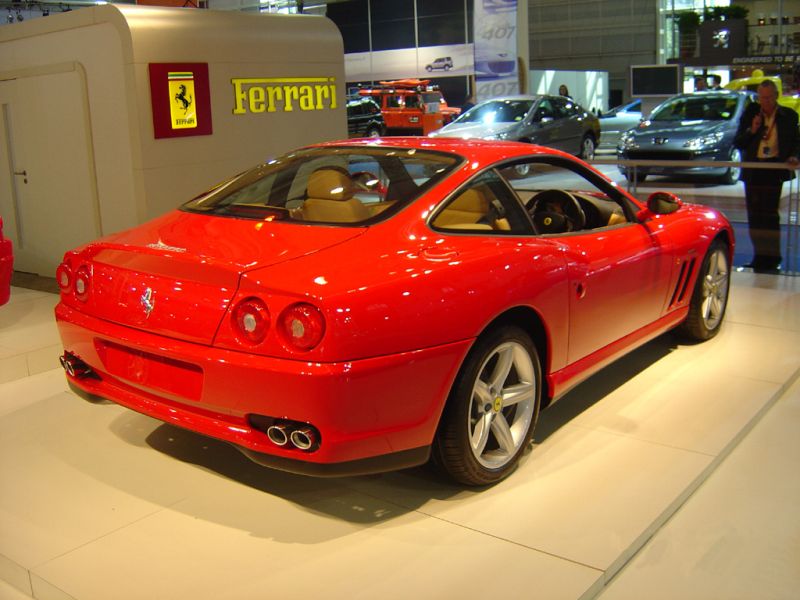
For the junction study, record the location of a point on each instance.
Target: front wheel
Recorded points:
(710, 295)
(731, 176)
(492, 409)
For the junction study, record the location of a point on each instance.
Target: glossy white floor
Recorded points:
(98, 502)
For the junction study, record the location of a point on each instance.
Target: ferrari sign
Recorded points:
(285, 94)
(181, 92)
(181, 99)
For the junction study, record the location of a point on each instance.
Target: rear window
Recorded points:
(334, 185)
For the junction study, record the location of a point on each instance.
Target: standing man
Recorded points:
(767, 133)
(700, 83)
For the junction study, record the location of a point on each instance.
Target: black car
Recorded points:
(695, 126)
(364, 118)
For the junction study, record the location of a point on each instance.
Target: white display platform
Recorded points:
(100, 502)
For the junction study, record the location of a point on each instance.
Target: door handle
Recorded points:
(24, 174)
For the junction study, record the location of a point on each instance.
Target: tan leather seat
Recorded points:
(330, 198)
(465, 212)
(616, 219)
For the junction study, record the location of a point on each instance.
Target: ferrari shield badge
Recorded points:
(181, 91)
(148, 302)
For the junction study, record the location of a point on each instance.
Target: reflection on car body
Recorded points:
(365, 305)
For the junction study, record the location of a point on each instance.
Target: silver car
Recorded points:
(687, 127)
(553, 121)
(619, 120)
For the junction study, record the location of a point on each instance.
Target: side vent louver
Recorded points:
(679, 294)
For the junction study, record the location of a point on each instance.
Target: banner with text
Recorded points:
(496, 48)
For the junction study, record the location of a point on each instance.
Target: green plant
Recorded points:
(725, 13)
(688, 21)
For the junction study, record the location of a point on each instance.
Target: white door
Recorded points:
(48, 194)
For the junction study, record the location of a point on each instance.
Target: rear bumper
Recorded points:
(373, 415)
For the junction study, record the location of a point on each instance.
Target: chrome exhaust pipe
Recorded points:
(74, 366)
(278, 434)
(304, 438)
(67, 365)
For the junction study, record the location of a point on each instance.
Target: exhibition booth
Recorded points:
(143, 108)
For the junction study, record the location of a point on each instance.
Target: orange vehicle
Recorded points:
(411, 106)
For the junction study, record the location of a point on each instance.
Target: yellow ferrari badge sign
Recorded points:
(180, 95)
(182, 100)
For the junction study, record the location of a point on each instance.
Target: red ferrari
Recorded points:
(6, 266)
(367, 305)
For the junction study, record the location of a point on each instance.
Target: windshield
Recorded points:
(696, 108)
(635, 106)
(344, 185)
(428, 97)
(497, 111)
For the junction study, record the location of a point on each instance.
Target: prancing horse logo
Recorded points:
(148, 302)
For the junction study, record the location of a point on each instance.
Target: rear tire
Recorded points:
(710, 295)
(492, 410)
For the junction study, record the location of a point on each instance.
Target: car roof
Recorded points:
(515, 97)
(722, 92)
(476, 149)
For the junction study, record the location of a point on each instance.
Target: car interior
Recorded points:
(489, 204)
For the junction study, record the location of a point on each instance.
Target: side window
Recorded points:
(560, 108)
(544, 110)
(570, 109)
(486, 204)
(562, 197)
(393, 102)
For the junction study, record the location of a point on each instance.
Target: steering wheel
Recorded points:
(369, 182)
(556, 211)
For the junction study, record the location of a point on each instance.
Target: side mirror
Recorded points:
(660, 203)
(545, 120)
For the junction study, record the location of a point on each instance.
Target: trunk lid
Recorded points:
(177, 275)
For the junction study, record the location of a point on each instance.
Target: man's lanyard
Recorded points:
(771, 126)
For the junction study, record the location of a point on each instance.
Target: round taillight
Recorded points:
(302, 326)
(251, 320)
(81, 284)
(64, 277)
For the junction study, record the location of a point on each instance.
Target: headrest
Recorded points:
(330, 184)
(471, 200)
